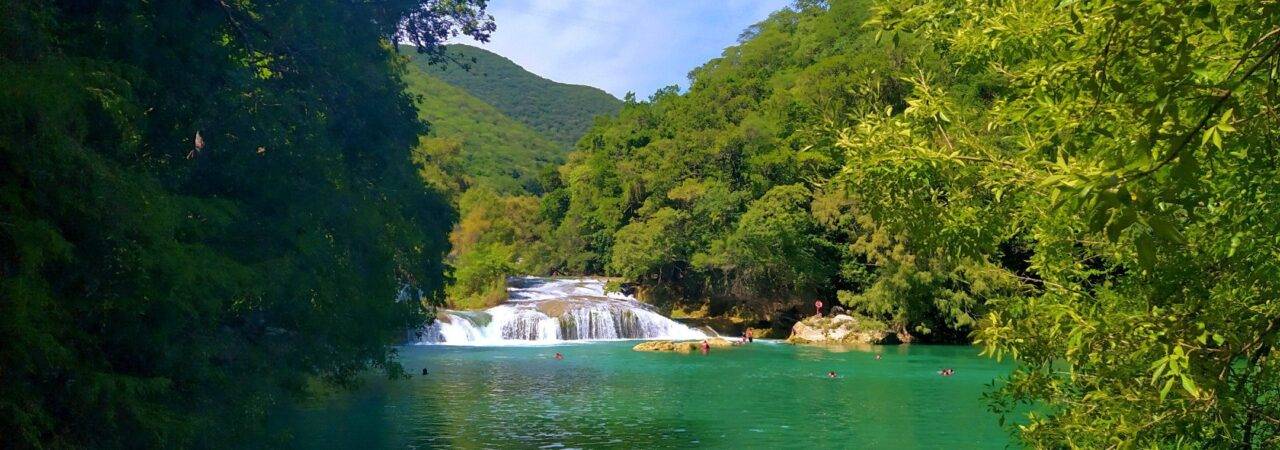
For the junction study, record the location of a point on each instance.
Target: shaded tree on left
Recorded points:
(204, 206)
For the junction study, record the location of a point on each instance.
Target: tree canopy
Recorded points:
(203, 206)
(1084, 187)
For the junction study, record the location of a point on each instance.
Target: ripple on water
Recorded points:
(605, 395)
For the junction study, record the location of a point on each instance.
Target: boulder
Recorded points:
(679, 346)
(841, 329)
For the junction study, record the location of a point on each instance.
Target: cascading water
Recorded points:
(544, 310)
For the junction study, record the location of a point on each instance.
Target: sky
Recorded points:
(620, 45)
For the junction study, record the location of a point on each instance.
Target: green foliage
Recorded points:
(641, 247)
(1087, 187)
(492, 148)
(1129, 149)
(560, 112)
(204, 205)
(497, 236)
(483, 111)
(480, 278)
(776, 247)
(722, 194)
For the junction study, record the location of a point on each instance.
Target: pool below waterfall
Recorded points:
(605, 395)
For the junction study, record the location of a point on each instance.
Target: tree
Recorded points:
(1128, 145)
(203, 206)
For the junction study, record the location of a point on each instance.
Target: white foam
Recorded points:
(585, 312)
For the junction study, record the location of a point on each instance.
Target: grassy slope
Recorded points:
(496, 149)
(561, 112)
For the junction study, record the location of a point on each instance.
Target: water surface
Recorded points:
(604, 395)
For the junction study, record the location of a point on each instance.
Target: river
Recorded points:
(486, 393)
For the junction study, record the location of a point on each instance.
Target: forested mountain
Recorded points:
(1086, 187)
(560, 112)
(492, 165)
(208, 207)
(476, 142)
(204, 208)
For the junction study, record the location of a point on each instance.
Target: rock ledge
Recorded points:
(843, 329)
(679, 346)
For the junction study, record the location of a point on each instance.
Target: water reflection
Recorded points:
(604, 395)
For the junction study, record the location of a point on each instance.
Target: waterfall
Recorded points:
(546, 310)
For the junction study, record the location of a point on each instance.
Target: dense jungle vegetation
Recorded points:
(204, 206)
(1088, 188)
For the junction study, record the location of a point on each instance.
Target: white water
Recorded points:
(549, 310)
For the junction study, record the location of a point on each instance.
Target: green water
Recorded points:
(764, 395)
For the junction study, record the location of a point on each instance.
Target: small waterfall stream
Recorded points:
(545, 310)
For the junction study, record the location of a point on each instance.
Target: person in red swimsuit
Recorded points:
(706, 347)
(817, 306)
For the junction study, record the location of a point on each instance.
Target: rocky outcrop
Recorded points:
(679, 346)
(842, 329)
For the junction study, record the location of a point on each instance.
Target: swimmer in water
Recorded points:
(706, 347)
(831, 374)
(559, 357)
(877, 356)
(947, 372)
(424, 370)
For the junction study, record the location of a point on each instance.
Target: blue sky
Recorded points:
(620, 45)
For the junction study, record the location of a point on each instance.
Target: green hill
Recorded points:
(560, 112)
(492, 148)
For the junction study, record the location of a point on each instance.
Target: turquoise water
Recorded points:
(604, 395)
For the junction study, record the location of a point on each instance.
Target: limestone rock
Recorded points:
(841, 329)
(679, 346)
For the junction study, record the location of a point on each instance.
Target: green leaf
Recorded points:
(1146, 251)
(1224, 122)
(1159, 367)
(1167, 386)
(1099, 218)
(1189, 385)
(1119, 223)
(1165, 229)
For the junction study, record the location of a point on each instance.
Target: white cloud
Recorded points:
(617, 45)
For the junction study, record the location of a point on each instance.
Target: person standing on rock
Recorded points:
(817, 306)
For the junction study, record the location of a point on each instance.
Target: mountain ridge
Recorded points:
(561, 112)
(490, 147)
